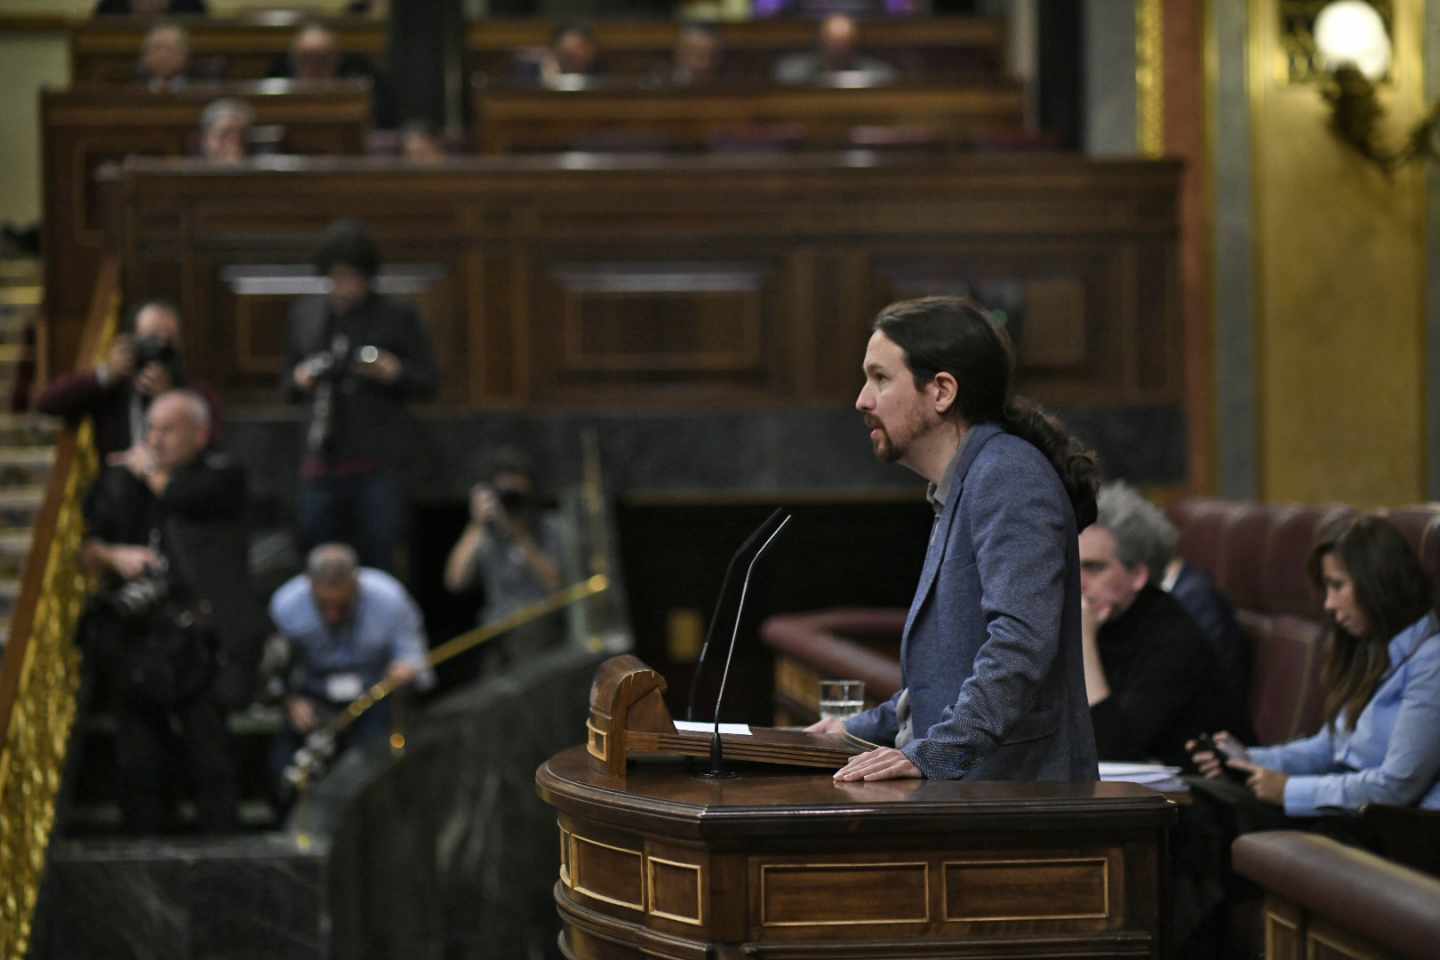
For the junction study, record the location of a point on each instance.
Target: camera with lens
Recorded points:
(332, 363)
(139, 598)
(150, 350)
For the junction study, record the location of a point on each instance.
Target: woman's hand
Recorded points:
(1267, 785)
(1211, 763)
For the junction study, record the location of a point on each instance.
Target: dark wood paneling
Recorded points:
(82, 130)
(649, 281)
(608, 118)
(243, 310)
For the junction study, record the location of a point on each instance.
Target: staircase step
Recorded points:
(28, 429)
(25, 466)
(19, 514)
(14, 548)
(9, 592)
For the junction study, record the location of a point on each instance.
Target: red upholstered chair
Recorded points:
(1287, 656)
(1201, 522)
(1420, 524)
(1256, 554)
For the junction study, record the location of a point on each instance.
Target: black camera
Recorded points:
(150, 350)
(137, 599)
(1206, 743)
(513, 501)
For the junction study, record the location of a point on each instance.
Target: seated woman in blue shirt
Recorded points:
(1380, 742)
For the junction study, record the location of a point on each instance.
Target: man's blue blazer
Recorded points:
(991, 652)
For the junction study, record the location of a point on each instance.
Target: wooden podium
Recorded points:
(783, 862)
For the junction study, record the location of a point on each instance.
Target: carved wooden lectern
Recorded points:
(657, 861)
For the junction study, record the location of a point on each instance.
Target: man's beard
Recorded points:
(883, 447)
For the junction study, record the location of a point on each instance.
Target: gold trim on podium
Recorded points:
(765, 921)
(577, 873)
(699, 919)
(1103, 862)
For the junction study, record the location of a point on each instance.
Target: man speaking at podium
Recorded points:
(991, 661)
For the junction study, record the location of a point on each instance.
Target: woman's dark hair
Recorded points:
(956, 335)
(347, 242)
(1392, 591)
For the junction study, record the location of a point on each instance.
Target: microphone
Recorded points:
(717, 759)
(750, 541)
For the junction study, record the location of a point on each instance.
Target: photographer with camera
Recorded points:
(115, 394)
(513, 550)
(358, 357)
(175, 631)
(348, 627)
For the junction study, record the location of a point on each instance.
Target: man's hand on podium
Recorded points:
(831, 725)
(883, 763)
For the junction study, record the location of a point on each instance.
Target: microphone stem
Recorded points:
(717, 759)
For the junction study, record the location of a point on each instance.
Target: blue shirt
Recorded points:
(1391, 754)
(385, 628)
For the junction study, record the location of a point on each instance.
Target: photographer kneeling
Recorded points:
(175, 631)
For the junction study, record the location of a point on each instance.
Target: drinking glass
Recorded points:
(841, 698)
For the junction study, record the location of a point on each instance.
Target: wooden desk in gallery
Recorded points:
(735, 282)
(105, 49)
(525, 119)
(786, 863)
(86, 128)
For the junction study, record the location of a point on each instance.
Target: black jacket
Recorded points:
(1165, 683)
(200, 519)
(371, 423)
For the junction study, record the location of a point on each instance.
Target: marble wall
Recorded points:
(222, 899)
(814, 452)
(441, 851)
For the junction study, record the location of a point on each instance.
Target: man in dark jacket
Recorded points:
(358, 357)
(176, 631)
(1151, 677)
(116, 393)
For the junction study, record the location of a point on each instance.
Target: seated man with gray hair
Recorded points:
(1151, 677)
(349, 627)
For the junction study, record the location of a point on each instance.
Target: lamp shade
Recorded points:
(1351, 32)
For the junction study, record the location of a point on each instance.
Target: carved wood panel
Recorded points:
(721, 281)
(692, 325)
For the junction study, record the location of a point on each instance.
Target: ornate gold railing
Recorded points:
(40, 673)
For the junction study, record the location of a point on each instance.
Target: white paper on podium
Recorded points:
(694, 726)
(1137, 772)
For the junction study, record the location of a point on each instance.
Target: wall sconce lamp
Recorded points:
(1355, 51)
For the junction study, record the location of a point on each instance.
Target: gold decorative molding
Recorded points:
(1102, 862)
(698, 920)
(33, 756)
(596, 742)
(566, 856)
(41, 668)
(1150, 77)
(577, 872)
(766, 868)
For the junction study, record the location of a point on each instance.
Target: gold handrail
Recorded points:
(40, 673)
